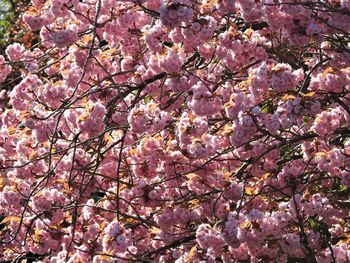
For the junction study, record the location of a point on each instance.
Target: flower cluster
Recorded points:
(5, 69)
(174, 12)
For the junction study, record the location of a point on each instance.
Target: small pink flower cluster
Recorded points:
(65, 37)
(5, 69)
(93, 124)
(173, 13)
(15, 52)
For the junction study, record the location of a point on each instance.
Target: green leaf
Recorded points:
(313, 223)
(267, 107)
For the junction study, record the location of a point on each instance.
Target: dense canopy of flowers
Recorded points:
(177, 131)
